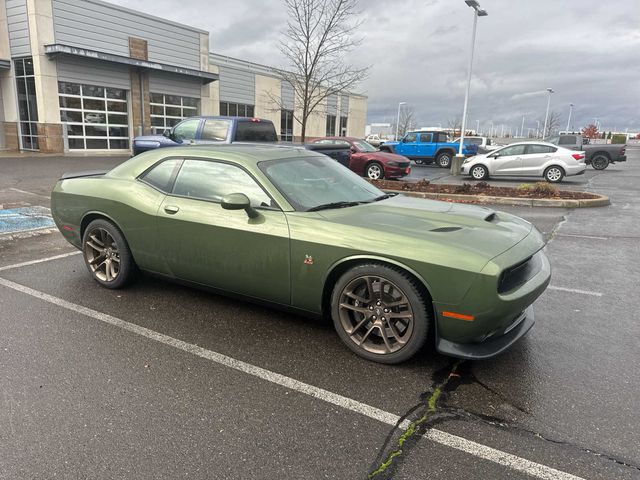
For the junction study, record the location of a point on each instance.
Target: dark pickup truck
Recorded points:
(598, 156)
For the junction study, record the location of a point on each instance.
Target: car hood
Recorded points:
(384, 156)
(471, 228)
(392, 144)
(162, 140)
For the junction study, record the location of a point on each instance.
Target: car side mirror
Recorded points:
(168, 133)
(239, 201)
(353, 150)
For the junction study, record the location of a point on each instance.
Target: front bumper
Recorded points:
(396, 172)
(491, 347)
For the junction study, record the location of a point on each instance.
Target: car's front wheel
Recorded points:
(444, 160)
(107, 254)
(375, 171)
(380, 313)
(554, 174)
(479, 172)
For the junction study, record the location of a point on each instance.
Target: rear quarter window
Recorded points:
(256, 132)
(162, 175)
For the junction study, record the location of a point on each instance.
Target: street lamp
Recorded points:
(546, 117)
(398, 122)
(478, 12)
(569, 120)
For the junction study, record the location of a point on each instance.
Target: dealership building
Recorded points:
(86, 75)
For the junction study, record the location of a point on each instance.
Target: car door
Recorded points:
(214, 130)
(535, 157)
(225, 249)
(507, 161)
(408, 146)
(186, 132)
(427, 148)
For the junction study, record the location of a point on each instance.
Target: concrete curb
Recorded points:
(601, 201)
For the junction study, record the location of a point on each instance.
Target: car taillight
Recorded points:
(577, 156)
(623, 150)
(257, 120)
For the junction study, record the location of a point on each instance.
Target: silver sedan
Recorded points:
(526, 159)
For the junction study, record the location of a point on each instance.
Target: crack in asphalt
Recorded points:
(385, 466)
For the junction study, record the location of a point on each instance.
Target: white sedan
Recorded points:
(526, 159)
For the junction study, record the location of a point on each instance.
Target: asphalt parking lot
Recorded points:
(162, 381)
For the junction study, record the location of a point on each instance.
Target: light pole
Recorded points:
(477, 127)
(477, 12)
(491, 130)
(569, 120)
(398, 122)
(546, 117)
(538, 129)
(522, 128)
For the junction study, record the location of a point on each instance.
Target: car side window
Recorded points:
(186, 130)
(161, 176)
(568, 140)
(442, 138)
(515, 150)
(216, 130)
(207, 180)
(410, 138)
(426, 137)
(538, 149)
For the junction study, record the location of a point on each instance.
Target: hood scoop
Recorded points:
(491, 217)
(446, 229)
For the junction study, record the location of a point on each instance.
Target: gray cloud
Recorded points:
(586, 50)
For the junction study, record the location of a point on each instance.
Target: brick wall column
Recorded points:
(140, 100)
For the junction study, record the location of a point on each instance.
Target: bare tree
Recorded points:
(553, 123)
(455, 124)
(316, 39)
(407, 121)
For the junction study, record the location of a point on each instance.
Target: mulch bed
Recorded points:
(537, 190)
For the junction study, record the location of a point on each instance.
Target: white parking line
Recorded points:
(29, 193)
(41, 260)
(459, 443)
(575, 290)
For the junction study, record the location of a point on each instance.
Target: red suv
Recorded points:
(368, 161)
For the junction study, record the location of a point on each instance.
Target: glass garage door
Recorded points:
(169, 110)
(97, 117)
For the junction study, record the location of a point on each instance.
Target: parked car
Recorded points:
(375, 140)
(368, 161)
(209, 130)
(598, 156)
(526, 159)
(484, 143)
(294, 229)
(428, 147)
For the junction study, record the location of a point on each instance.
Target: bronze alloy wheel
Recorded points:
(107, 254)
(102, 255)
(381, 312)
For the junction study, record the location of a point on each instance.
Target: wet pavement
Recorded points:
(131, 396)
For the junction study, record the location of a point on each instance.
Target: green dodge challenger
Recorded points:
(295, 229)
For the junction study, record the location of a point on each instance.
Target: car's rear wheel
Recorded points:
(479, 172)
(600, 162)
(554, 174)
(380, 313)
(420, 161)
(107, 254)
(375, 171)
(444, 160)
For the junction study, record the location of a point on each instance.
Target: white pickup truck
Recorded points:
(484, 143)
(375, 140)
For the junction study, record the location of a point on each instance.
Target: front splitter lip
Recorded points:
(489, 348)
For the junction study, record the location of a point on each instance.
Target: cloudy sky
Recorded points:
(588, 51)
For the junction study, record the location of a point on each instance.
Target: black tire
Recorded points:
(371, 322)
(103, 244)
(554, 174)
(444, 160)
(479, 172)
(600, 161)
(419, 161)
(374, 171)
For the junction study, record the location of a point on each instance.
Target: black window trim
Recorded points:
(172, 179)
(174, 176)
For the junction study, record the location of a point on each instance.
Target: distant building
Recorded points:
(89, 75)
(381, 129)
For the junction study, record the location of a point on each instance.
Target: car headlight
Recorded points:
(393, 164)
(467, 160)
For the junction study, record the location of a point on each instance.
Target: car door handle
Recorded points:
(171, 209)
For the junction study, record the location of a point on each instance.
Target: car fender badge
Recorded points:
(308, 260)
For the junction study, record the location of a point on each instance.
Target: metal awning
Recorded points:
(5, 63)
(58, 49)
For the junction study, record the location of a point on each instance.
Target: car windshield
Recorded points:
(364, 146)
(312, 182)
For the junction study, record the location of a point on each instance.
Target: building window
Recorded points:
(169, 110)
(97, 118)
(331, 125)
(286, 126)
(343, 126)
(27, 104)
(228, 109)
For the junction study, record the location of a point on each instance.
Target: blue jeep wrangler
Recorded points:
(427, 147)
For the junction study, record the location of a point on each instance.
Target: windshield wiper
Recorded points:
(327, 206)
(383, 197)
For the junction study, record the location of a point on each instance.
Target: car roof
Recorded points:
(229, 117)
(346, 139)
